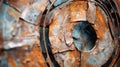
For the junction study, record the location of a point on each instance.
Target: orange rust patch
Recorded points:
(76, 6)
(78, 10)
(35, 56)
(12, 61)
(1, 40)
(100, 24)
(54, 23)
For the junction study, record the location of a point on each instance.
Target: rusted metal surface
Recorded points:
(77, 14)
(59, 33)
(68, 58)
(91, 12)
(104, 45)
(19, 45)
(8, 14)
(63, 22)
(33, 12)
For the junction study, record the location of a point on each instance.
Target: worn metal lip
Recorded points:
(89, 51)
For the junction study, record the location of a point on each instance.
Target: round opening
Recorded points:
(84, 36)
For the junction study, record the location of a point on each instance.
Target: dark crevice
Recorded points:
(48, 47)
(49, 50)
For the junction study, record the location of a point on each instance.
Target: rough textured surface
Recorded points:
(104, 45)
(33, 12)
(91, 12)
(60, 34)
(50, 33)
(19, 40)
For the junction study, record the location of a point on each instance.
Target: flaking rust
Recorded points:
(104, 45)
(59, 33)
(19, 39)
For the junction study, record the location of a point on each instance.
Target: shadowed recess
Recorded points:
(84, 36)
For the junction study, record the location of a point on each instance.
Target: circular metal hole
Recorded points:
(84, 36)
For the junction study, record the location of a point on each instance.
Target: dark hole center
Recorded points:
(84, 36)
